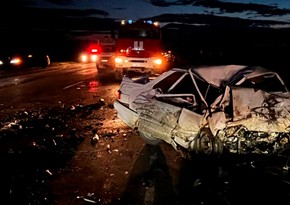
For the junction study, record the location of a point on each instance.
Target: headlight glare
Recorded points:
(158, 61)
(15, 61)
(118, 60)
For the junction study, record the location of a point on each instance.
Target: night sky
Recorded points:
(213, 23)
(278, 10)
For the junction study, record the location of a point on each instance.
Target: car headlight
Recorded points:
(15, 61)
(84, 58)
(157, 61)
(1, 62)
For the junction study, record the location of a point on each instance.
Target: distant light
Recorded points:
(130, 21)
(94, 48)
(156, 23)
(84, 58)
(1, 63)
(15, 61)
(149, 21)
(30, 56)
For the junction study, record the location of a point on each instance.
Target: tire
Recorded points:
(207, 144)
(149, 139)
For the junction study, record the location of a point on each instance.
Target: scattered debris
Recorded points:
(40, 143)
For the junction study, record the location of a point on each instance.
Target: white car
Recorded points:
(209, 110)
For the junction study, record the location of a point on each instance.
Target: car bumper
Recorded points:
(126, 114)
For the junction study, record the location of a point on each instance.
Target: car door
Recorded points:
(159, 119)
(165, 115)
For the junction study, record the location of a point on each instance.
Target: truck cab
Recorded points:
(139, 48)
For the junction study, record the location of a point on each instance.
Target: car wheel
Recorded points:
(149, 139)
(207, 144)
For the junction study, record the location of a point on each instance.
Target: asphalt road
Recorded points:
(61, 143)
(50, 119)
(44, 87)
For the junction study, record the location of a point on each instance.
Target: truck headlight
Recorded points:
(94, 58)
(118, 60)
(157, 61)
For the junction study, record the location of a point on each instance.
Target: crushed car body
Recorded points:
(209, 110)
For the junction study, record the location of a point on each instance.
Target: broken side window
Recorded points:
(268, 83)
(166, 83)
(184, 94)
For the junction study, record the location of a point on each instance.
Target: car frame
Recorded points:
(209, 109)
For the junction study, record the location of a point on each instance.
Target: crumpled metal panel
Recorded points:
(158, 119)
(260, 121)
(238, 139)
(190, 121)
(148, 125)
(216, 75)
(188, 127)
(163, 112)
(261, 111)
(128, 116)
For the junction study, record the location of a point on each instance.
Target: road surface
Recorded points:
(62, 143)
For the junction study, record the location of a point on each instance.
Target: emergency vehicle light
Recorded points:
(130, 21)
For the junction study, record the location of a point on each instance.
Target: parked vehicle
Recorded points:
(24, 58)
(209, 110)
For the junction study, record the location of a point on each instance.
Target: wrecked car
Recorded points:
(209, 110)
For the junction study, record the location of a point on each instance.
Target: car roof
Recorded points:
(225, 74)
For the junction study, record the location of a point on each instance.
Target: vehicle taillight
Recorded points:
(118, 94)
(95, 49)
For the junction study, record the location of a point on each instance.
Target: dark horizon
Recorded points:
(194, 38)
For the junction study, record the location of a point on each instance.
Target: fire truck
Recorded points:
(139, 48)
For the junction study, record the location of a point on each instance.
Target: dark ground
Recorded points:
(83, 154)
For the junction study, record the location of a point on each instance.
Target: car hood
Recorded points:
(255, 110)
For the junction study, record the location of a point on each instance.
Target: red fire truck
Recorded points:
(139, 48)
